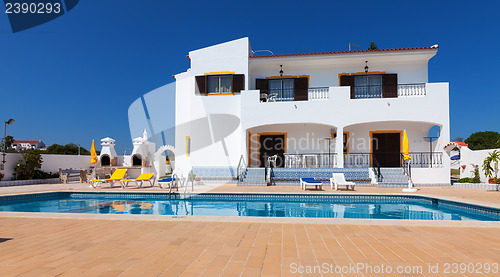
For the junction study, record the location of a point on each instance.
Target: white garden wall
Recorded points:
(469, 157)
(51, 163)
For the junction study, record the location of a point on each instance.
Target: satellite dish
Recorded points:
(434, 133)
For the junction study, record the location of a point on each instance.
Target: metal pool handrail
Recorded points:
(241, 169)
(186, 182)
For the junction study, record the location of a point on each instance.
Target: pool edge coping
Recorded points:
(255, 219)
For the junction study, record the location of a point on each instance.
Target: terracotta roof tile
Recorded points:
(347, 52)
(27, 141)
(461, 143)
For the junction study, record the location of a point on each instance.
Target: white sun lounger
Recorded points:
(339, 180)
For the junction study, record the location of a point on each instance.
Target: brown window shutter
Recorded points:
(261, 84)
(301, 89)
(238, 82)
(201, 87)
(345, 81)
(390, 85)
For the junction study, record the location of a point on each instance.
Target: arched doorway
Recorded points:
(105, 160)
(136, 160)
(160, 160)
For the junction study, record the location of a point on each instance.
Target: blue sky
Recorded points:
(73, 78)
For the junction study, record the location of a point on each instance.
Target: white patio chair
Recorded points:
(339, 180)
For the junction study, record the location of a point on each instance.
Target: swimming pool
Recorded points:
(261, 205)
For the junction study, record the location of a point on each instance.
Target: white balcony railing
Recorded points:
(317, 93)
(315, 160)
(408, 90)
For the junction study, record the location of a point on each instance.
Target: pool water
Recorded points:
(262, 206)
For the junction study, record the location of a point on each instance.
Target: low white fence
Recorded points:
(484, 186)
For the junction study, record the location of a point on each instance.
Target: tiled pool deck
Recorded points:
(93, 245)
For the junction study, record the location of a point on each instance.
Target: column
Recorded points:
(339, 146)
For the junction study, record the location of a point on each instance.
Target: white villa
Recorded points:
(316, 113)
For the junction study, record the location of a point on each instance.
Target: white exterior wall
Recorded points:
(340, 110)
(192, 110)
(184, 92)
(51, 163)
(359, 135)
(359, 116)
(440, 175)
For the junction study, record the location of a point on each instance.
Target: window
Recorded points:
(371, 85)
(282, 89)
(219, 84)
(368, 86)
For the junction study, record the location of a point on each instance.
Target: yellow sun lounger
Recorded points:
(118, 175)
(144, 177)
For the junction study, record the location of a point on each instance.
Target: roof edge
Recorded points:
(434, 47)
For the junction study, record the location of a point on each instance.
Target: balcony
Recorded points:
(360, 92)
(419, 159)
(362, 160)
(311, 160)
(285, 95)
(377, 91)
(408, 90)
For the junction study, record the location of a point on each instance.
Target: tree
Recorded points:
(8, 140)
(493, 158)
(373, 46)
(483, 140)
(29, 165)
(68, 149)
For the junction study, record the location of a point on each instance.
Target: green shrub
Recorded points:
(476, 178)
(464, 180)
(31, 162)
(39, 174)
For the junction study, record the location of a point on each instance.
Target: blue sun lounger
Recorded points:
(170, 183)
(304, 182)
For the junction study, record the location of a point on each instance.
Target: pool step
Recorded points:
(393, 177)
(254, 177)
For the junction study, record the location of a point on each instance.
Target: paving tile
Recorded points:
(105, 247)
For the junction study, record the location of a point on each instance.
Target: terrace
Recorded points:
(69, 244)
